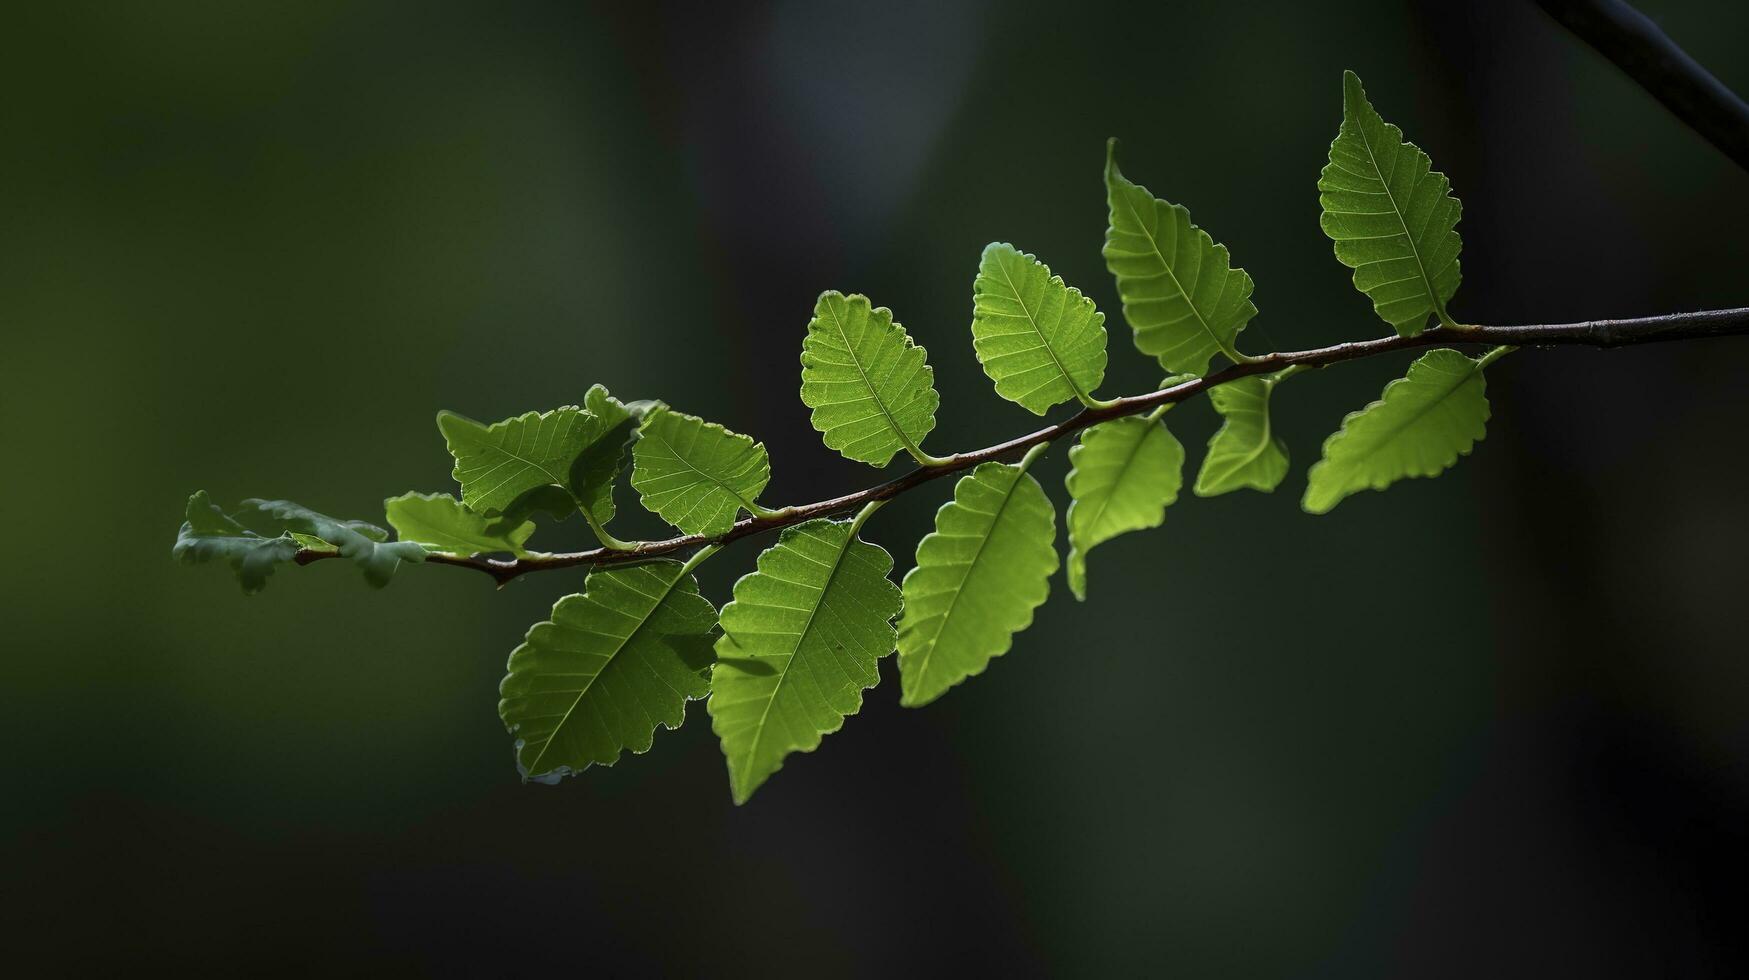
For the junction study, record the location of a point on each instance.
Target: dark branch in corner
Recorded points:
(1648, 56)
(1591, 333)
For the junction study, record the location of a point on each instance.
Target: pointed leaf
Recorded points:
(1245, 452)
(610, 666)
(801, 641)
(441, 523)
(1392, 216)
(1041, 341)
(871, 389)
(979, 576)
(697, 475)
(1420, 427)
(208, 534)
(1180, 293)
(1124, 474)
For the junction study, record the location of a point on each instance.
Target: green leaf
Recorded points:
(1245, 452)
(801, 641)
(871, 389)
(1180, 294)
(1392, 217)
(979, 576)
(608, 667)
(265, 533)
(499, 463)
(1041, 341)
(208, 534)
(600, 463)
(441, 523)
(697, 475)
(1124, 474)
(1420, 427)
(366, 545)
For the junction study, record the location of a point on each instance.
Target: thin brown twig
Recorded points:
(1590, 333)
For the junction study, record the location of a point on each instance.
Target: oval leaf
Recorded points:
(871, 389)
(1040, 340)
(1419, 427)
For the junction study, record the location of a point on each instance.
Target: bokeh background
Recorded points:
(1493, 724)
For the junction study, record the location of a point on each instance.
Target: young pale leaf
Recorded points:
(610, 666)
(209, 534)
(1392, 217)
(440, 523)
(801, 641)
(871, 389)
(697, 475)
(499, 463)
(1124, 474)
(1180, 293)
(1040, 341)
(1419, 427)
(979, 576)
(1245, 452)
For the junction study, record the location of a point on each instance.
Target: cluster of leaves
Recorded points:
(789, 657)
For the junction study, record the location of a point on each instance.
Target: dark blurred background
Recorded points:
(1492, 724)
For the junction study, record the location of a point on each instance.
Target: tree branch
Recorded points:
(1648, 56)
(1591, 333)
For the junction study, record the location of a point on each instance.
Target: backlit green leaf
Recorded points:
(979, 576)
(600, 463)
(697, 475)
(871, 389)
(1040, 341)
(441, 523)
(1180, 293)
(610, 666)
(1124, 474)
(1392, 217)
(499, 463)
(801, 641)
(1245, 452)
(1420, 427)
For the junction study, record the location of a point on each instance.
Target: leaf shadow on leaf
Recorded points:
(759, 666)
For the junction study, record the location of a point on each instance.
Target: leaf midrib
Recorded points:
(1263, 443)
(855, 361)
(1408, 236)
(1033, 322)
(1123, 471)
